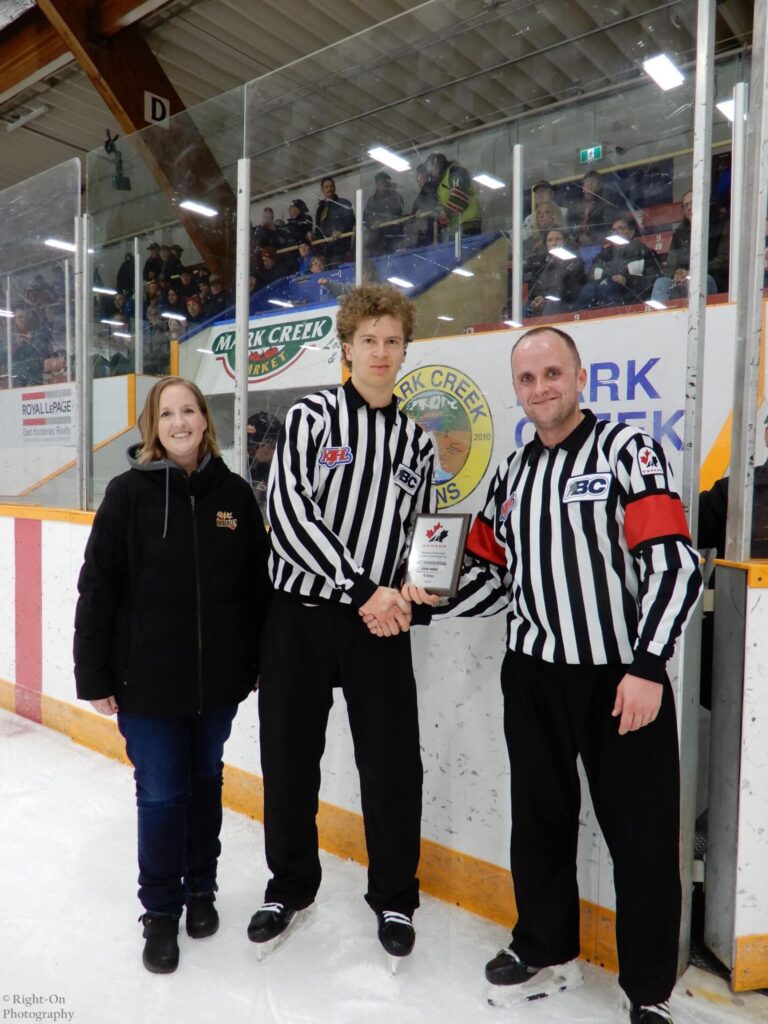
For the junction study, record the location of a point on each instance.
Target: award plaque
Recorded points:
(436, 552)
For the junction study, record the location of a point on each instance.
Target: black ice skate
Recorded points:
(656, 1014)
(271, 925)
(396, 935)
(514, 981)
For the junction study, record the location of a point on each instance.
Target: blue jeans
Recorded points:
(178, 773)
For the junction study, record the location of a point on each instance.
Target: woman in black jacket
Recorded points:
(173, 590)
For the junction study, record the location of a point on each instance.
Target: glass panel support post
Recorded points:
(138, 309)
(688, 685)
(749, 302)
(84, 372)
(9, 331)
(68, 316)
(516, 309)
(738, 160)
(242, 267)
(358, 236)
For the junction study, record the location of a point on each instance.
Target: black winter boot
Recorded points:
(202, 916)
(161, 950)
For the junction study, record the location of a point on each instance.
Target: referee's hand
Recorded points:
(386, 612)
(637, 701)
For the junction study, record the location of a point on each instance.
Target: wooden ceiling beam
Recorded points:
(122, 68)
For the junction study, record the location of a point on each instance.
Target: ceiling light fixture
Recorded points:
(488, 180)
(664, 72)
(617, 239)
(389, 159)
(57, 243)
(462, 272)
(562, 254)
(512, 323)
(400, 282)
(281, 302)
(23, 119)
(194, 207)
(100, 290)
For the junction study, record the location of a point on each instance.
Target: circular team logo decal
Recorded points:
(452, 409)
(273, 347)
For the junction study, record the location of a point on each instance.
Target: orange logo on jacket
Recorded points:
(227, 520)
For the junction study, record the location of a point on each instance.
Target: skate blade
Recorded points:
(394, 962)
(266, 950)
(549, 981)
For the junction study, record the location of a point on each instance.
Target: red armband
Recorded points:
(653, 517)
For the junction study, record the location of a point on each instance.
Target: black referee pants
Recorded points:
(552, 713)
(305, 653)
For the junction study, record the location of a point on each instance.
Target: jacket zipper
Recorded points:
(198, 609)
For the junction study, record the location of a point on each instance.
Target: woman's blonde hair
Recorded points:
(151, 449)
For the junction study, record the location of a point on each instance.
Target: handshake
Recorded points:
(388, 611)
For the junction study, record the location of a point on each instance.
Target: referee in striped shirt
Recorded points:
(350, 474)
(583, 542)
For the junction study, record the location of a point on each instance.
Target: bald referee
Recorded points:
(583, 542)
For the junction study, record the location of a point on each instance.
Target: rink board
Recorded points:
(636, 373)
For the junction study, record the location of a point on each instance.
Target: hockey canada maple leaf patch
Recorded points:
(649, 462)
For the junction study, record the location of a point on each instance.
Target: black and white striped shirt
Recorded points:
(586, 547)
(345, 486)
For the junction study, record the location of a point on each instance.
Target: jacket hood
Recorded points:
(166, 466)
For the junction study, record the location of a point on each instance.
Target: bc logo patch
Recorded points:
(589, 487)
(649, 462)
(507, 507)
(332, 457)
(406, 479)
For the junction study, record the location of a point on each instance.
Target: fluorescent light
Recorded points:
(281, 302)
(552, 298)
(462, 272)
(204, 351)
(512, 323)
(664, 73)
(727, 108)
(7, 313)
(174, 316)
(488, 180)
(56, 243)
(653, 304)
(449, 318)
(23, 119)
(400, 282)
(617, 239)
(389, 159)
(194, 207)
(121, 334)
(113, 323)
(99, 290)
(562, 254)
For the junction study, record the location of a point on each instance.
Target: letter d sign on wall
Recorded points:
(157, 109)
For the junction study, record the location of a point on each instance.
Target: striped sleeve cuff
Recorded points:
(649, 666)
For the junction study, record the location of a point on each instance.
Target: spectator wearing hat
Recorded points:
(172, 266)
(124, 282)
(335, 221)
(263, 430)
(304, 258)
(270, 268)
(194, 309)
(218, 300)
(386, 204)
(153, 265)
(186, 284)
(542, 192)
(298, 227)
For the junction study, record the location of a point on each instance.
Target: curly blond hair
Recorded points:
(373, 301)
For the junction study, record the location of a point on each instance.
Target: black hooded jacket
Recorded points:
(173, 591)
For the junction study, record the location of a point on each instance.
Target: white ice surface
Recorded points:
(69, 933)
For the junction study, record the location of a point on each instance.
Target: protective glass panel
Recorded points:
(37, 330)
(162, 233)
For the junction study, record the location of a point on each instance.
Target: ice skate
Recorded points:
(271, 925)
(513, 981)
(657, 1014)
(397, 936)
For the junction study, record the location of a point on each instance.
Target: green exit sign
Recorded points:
(588, 156)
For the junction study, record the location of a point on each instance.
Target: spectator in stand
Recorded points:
(268, 234)
(172, 264)
(334, 220)
(456, 196)
(219, 299)
(543, 192)
(553, 283)
(304, 258)
(153, 265)
(271, 270)
(194, 310)
(173, 302)
(592, 214)
(424, 210)
(386, 204)
(298, 227)
(124, 282)
(186, 284)
(546, 216)
(204, 289)
(122, 307)
(674, 283)
(621, 273)
(30, 347)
